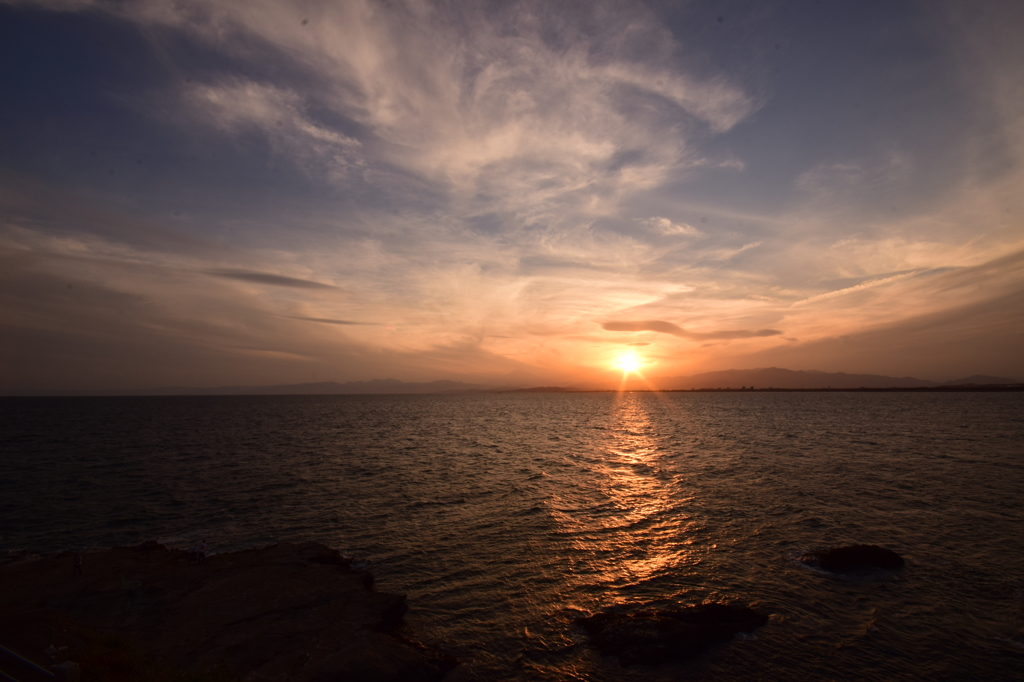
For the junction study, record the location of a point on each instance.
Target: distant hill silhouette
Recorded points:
(981, 380)
(372, 387)
(536, 389)
(776, 377)
(770, 377)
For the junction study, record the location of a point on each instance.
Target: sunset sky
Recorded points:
(221, 193)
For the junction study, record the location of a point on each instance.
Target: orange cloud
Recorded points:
(663, 327)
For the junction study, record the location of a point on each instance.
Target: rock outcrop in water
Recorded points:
(853, 558)
(654, 636)
(290, 611)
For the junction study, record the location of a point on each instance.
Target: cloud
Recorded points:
(663, 327)
(872, 185)
(240, 106)
(481, 102)
(490, 178)
(722, 255)
(48, 217)
(667, 227)
(327, 320)
(857, 287)
(927, 346)
(267, 278)
(745, 247)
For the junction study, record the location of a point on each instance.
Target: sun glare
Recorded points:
(629, 363)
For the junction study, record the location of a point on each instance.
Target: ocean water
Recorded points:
(505, 517)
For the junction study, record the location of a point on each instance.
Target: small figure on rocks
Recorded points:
(201, 552)
(76, 564)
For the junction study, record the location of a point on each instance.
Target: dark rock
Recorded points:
(330, 557)
(391, 616)
(653, 636)
(68, 671)
(288, 611)
(854, 557)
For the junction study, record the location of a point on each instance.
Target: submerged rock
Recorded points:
(654, 636)
(854, 557)
(291, 611)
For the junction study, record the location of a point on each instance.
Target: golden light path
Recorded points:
(627, 515)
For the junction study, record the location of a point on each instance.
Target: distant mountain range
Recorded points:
(771, 377)
(775, 377)
(373, 387)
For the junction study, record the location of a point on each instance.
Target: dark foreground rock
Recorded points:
(287, 612)
(654, 636)
(853, 558)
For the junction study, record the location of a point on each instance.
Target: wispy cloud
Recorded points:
(495, 179)
(667, 227)
(327, 320)
(857, 287)
(241, 107)
(490, 108)
(663, 327)
(271, 279)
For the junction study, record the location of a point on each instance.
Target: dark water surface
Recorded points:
(504, 517)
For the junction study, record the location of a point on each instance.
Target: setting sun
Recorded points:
(628, 362)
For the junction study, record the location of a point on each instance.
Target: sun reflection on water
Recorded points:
(640, 529)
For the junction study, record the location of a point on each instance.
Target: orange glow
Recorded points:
(628, 362)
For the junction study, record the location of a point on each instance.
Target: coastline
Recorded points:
(295, 611)
(999, 388)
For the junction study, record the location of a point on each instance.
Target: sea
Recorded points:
(506, 517)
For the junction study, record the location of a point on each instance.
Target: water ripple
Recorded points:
(505, 517)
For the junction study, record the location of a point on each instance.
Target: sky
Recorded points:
(221, 193)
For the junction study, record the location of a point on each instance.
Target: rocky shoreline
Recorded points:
(298, 611)
(653, 635)
(289, 611)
